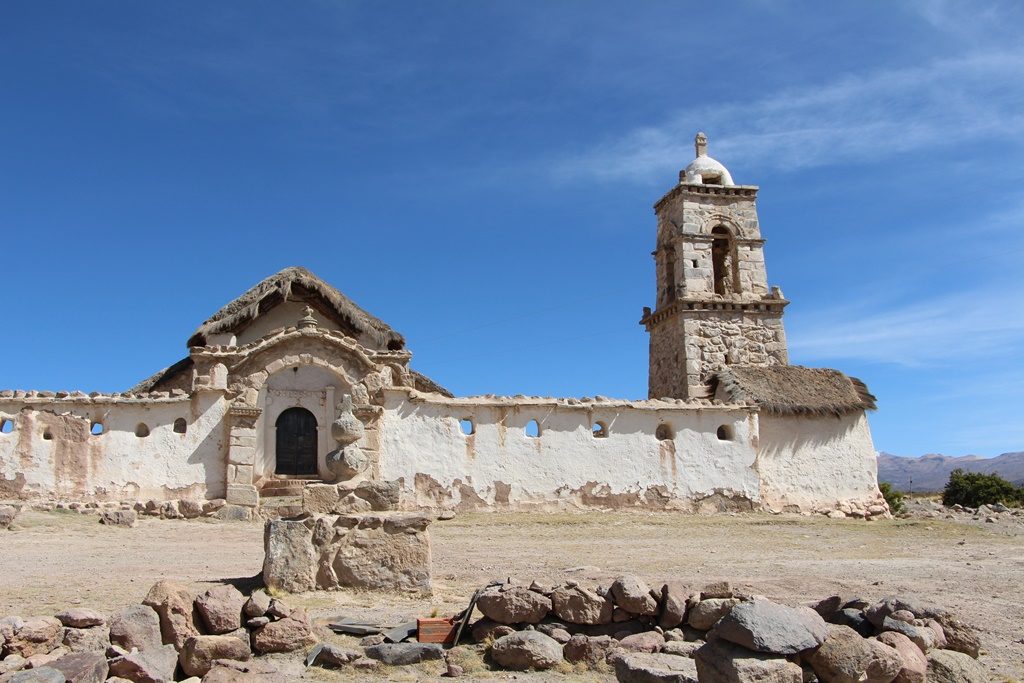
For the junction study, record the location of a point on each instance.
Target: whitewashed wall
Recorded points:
(422, 444)
(117, 464)
(817, 463)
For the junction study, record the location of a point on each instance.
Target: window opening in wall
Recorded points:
(179, 426)
(96, 429)
(533, 429)
(600, 430)
(141, 430)
(670, 274)
(694, 262)
(721, 260)
(466, 426)
(664, 432)
(6, 426)
(47, 434)
(724, 433)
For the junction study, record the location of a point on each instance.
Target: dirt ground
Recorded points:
(54, 560)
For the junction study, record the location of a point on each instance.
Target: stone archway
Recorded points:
(296, 442)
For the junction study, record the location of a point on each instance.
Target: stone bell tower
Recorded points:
(714, 306)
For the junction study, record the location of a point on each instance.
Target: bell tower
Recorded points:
(714, 307)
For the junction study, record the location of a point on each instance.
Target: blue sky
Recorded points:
(480, 175)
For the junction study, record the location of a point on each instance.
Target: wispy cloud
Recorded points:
(856, 118)
(977, 324)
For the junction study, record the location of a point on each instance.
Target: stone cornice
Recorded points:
(586, 403)
(68, 398)
(774, 306)
(748, 191)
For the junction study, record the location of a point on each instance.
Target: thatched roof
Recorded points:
(795, 390)
(424, 383)
(298, 284)
(163, 380)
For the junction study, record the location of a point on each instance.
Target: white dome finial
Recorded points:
(704, 170)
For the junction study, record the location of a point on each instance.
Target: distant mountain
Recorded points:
(931, 472)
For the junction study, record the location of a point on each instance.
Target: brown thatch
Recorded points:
(795, 390)
(298, 284)
(173, 377)
(424, 383)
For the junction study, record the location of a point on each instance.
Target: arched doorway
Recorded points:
(296, 442)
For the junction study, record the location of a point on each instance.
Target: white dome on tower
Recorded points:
(704, 170)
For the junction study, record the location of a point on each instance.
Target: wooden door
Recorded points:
(296, 442)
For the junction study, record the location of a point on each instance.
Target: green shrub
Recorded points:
(972, 489)
(893, 497)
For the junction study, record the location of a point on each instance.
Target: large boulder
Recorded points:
(588, 650)
(653, 668)
(291, 561)
(765, 626)
(719, 661)
(646, 641)
(402, 654)
(155, 665)
(77, 617)
(38, 674)
(950, 666)
(959, 636)
(286, 635)
(486, 629)
(82, 667)
(915, 665)
(526, 650)
(846, 657)
(257, 604)
(514, 605)
(136, 627)
(7, 515)
(95, 639)
(381, 495)
(252, 671)
(123, 518)
(922, 636)
(174, 605)
(706, 613)
(633, 595)
(673, 607)
(577, 605)
(38, 636)
(221, 609)
(199, 652)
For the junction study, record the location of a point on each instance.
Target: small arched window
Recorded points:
(664, 432)
(466, 426)
(47, 434)
(600, 430)
(724, 433)
(533, 429)
(96, 428)
(141, 430)
(6, 426)
(670, 275)
(180, 427)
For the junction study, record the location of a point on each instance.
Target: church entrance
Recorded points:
(296, 442)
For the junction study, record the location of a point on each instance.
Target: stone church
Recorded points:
(292, 382)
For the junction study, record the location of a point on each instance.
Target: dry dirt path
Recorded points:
(54, 560)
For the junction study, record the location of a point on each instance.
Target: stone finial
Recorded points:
(700, 144)
(307, 320)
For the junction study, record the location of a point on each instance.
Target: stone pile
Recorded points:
(164, 509)
(171, 636)
(719, 635)
(983, 514)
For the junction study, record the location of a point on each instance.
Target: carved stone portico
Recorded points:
(242, 440)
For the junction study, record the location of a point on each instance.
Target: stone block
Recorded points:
(318, 499)
(242, 494)
(386, 551)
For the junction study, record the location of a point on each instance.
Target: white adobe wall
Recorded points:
(115, 465)
(817, 463)
(422, 444)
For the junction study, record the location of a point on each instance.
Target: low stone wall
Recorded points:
(382, 551)
(720, 635)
